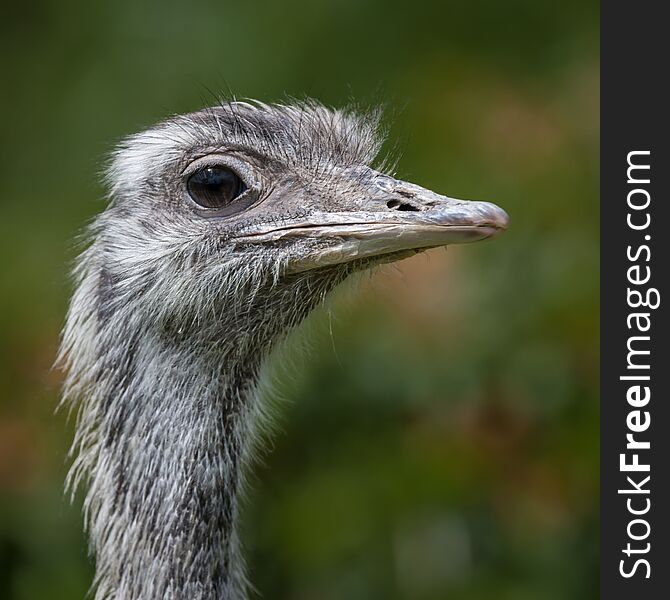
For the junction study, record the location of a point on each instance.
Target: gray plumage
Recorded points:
(178, 307)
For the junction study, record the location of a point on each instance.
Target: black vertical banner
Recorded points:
(635, 300)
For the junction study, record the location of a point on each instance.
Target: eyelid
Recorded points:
(221, 160)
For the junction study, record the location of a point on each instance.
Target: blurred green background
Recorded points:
(441, 438)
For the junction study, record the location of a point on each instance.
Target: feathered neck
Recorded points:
(167, 420)
(162, 453)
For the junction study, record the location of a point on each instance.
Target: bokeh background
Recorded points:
(441, 434)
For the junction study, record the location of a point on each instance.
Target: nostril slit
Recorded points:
(397, 205)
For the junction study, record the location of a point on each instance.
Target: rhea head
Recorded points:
(212, 208)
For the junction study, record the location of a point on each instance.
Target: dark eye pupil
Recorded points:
(215, 187)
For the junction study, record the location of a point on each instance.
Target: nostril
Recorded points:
(397, 205)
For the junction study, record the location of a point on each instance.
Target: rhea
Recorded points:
(224, 229)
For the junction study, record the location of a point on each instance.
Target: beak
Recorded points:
(396, 219)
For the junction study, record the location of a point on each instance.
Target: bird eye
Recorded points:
(215, 187)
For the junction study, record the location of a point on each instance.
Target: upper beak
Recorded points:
(395, 220)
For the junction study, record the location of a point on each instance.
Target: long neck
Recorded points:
(165, 429)
(162, 500)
